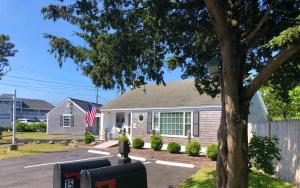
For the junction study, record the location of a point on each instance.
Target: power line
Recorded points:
(45, 81)
(48, 85)
(44, 91)
(42, 73)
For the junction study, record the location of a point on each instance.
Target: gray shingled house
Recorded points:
(171, 111)
(68, 118)
(33, 109)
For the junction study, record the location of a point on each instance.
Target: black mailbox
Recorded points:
(130, 175)
(67, 175)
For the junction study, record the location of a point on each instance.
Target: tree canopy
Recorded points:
(6, 50)
(131, 42)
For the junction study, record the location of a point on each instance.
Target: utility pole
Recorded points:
(13, 144)
(97, 95)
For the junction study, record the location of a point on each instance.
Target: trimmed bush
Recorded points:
(138, 143)
(156, 142)
(21, 127)
(34, 127)
(123, 138)
(38, 127)
(88, 138)
(193, 148)
(174, 147)
(212, 152)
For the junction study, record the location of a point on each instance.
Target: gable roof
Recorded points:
(181, 93)
(84, 104)
(36, 104)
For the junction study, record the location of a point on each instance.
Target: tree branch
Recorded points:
(218, 18)
(188, 5)
(271, 66)
(247, 41)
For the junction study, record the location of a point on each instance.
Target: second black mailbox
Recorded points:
(130, 175)
(67, 175)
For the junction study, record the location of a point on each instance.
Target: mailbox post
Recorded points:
(67, 175)
(124, 150)
(131, 175)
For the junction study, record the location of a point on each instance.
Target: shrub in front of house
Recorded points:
(193, 148)
(156, 142)
(138, 143)
(212, 151)
(174, 147)
(88, 138)
(34, 127)
(21, 127)
(38, 127)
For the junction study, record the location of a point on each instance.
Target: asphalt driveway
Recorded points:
(36, 171)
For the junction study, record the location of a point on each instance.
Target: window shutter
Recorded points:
(72, 121)
(149, 123)
(61, 120)
(196, 124)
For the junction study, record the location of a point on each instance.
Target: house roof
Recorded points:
(84, 104)
(36, 104)
(174, 94)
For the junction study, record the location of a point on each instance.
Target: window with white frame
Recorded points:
(67, 120)
(172, 123)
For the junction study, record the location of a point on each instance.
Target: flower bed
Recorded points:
(149, 154)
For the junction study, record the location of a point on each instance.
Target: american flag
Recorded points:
(90, 115)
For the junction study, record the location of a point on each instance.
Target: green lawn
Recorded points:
(31, 149)
(35, 136)
(204, 178)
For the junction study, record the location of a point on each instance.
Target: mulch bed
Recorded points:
(149, 154)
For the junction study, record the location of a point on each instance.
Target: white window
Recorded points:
(172, 123)
(67, 120)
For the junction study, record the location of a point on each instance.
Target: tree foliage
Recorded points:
(131, 42)
(280, 109)
(6, 50)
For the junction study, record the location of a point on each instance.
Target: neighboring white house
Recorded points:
(172, 111)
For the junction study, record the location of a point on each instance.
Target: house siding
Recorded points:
(208, 128)
(53, 124)
(209, 125)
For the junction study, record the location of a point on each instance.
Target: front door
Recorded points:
(120, 119)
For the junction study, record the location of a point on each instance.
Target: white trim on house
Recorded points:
(63, 122)
(57, 106)
(177, 108)
(77, 106)
(97, 114)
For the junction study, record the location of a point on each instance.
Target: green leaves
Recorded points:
(7, 49)
(280, 109)
(128, 43)
(262, 151)
(290, 36)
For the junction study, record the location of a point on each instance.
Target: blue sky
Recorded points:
(33, 67)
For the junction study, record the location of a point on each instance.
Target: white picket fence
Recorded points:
(288, 132)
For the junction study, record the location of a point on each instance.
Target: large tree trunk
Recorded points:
(232, 161)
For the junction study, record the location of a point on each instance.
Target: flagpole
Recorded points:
(97, 95)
